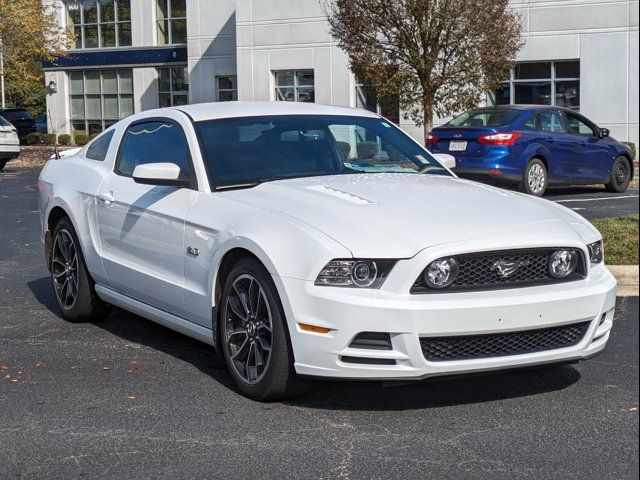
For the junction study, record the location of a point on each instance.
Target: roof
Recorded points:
(524, 106)
(215, 110)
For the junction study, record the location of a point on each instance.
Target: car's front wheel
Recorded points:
(620, 175)
(72, 285)
(254, 337)
(535, 178)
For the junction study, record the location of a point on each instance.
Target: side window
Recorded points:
(532, 122)
(99, 147)
(578, 127)
(154, 142)
(551, 121)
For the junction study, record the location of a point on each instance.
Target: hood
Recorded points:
(397, 215)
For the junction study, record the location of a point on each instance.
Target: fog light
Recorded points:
(441, 273)
(563, 263)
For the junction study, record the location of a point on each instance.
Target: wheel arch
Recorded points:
(55, 214)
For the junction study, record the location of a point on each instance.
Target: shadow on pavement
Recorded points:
(333, 395)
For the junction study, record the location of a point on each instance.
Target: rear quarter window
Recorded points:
(99, 147)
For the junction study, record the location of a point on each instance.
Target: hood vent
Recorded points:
(341, 195)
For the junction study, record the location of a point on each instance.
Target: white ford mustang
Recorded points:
(306, 241)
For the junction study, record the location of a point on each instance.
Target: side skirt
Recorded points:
(156, 315)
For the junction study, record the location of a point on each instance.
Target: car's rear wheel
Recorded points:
(620, 175)
(535, 178)
(72, 285)
(254, 337)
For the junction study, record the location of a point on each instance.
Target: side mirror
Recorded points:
(446, 160)
(604, 132)
(163, 174)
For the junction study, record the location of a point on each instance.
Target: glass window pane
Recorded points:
(107, 11)
(228, 96)
(77, 31)
(502, 96)
(578, 127)
(179, 79)
(180, 99)
(390, 108)
(162, 10)
(126, 105)
(163, 80)
(77, 106)
(107, 35)
(305, 77)
(92, 81)
(538, 93)
(73, 13)
(78, 127)
(178, 8)
(76, 82)
(178, 31)
(91, 36)
(306, 95)
(94, 109)
(124, 34)
(99, 147)
(550, 122)
(284, 79)
(366, 98)
(124, 10)
(568, 94)
(109, 81)
(227, 83)
(285, 94)
(527, 71)
(90, 8)
(567, 69)
(126, 80)
(165, 100)
(94, 127)
(111, 106)
(163, 32)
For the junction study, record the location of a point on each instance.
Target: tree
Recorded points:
(439, 56)
(29, 34)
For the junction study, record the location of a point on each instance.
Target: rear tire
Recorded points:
(73, 287)
(620, 175)
(254, 335)
(535, 179)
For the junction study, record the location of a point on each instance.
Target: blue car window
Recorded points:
(551, 121)
(532, 122)
(578, 127)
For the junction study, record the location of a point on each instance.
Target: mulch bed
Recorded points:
(34, 155)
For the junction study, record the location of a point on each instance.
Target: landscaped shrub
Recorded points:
(632, 148)
(81, 139)
(93, 135)
(49, 138)
(367, 150)
(34, 138)
(64, 139)
(345, 149)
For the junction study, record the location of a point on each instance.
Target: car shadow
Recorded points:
(336, 395)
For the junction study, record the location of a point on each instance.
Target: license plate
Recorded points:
(457, 146)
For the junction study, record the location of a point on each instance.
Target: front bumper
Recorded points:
(409, 317)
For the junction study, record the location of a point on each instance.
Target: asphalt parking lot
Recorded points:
(126, 398)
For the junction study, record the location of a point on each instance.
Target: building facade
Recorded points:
(134, 55)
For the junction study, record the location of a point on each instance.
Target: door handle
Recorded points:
(106, 198)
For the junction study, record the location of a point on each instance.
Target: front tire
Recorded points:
(73, 287)
(254, 336)
(620, 175)
(535, 178)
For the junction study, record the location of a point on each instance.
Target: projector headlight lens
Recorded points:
(441, 273)
(563, 263)
(362, 273)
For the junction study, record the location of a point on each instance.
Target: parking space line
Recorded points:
(573, 200)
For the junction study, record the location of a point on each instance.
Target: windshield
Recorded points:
(3, 122)
(485, 117)
(246, 151)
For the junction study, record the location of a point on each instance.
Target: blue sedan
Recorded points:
(533, 146)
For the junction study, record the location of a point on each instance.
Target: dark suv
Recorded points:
(19, 118)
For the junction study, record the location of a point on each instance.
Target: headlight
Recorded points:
(355, 273)
(596, 252)
(441, 273)
(563, 263)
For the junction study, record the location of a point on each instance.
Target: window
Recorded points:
(154, 142)
(486, 117)
(295, 86)
(171, 20)
(541, 83)
(100, 23)
(579, 127)
(227, 88)
(98, 149)
(388, 106)
(173, 86)
(99, 98)
(550, 121)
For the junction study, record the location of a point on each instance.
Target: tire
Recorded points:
(535, 179)
(2, 164)
(254, 335)
(67, 265)
(620, 175)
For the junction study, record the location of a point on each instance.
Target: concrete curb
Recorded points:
(627, 277)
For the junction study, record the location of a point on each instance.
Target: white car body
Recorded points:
(135, 238)
(9, 142)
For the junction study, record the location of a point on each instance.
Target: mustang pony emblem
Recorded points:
(506, 268)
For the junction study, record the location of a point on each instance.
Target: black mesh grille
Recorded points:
(438, 349)
(478, 271)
